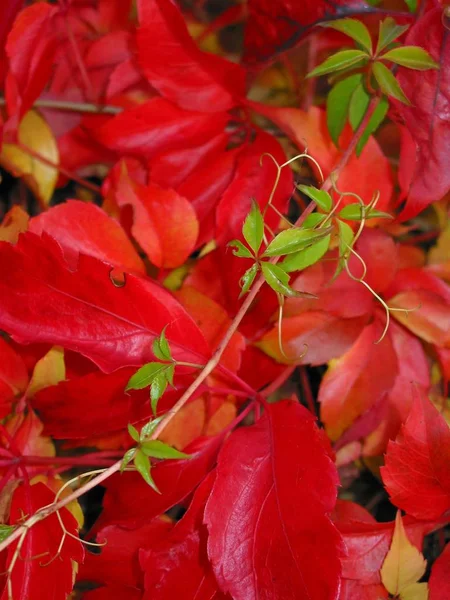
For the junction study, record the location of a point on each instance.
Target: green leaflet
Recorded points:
(388, 83)
(248, 278)
(253, 228)
(388, 32)
(306, 257)
(294, 239)
(412, 57)
(354, 29)
(157, 449)
(320, 197)
(338, 101)
(339, 61)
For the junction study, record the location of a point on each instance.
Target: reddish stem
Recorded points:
(68, 174)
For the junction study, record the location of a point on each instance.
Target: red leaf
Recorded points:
(118, 561)
(172, 169)
(130, 502)
(350, 590)
(164, 223)
(13, 376)
(312, 338)
(83, 228)
(367, 542)
(31, 49)
(309, 130)
(254, 178)
(260, 543)
(8, 12)
(427, 117)
(158, 126)
(40, 573)
(357, 380)
(416, 474)
(75, 409)
(177, 566)
(274, 26)
(205, 186)
(84, 311)
(175, 66)
(439, 583)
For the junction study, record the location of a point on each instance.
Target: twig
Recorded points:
(83, 182)
(80, 107)
(209, 367)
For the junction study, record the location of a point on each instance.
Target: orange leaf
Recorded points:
(403, 566)
(429, 318)
(35, 134)
(165, 224)
(15, 222)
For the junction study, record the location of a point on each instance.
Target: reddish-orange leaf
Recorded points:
(83, 228)
(164, 223)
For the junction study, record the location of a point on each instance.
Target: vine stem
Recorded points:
(210, 365)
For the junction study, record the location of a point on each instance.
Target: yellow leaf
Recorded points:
(15, 222)
(36, 135)
(404, 564)
(416, 591)
(49, 370)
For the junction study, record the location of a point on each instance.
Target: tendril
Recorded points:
(386, 307)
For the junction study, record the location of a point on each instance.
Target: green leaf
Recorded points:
(412, 5)
(160, 347)
(320, 197)
(145, 375)
(127, 458)
(277, 279)
(388, 32)
(346, 237)
(375, 121)
(354, 29)
(240, 250)
(157, 449)
(387, 82)
(340, 60)
(359, 104)
(253, 228)
(412, 57)
(338, 101)
(134, 433)
(5, 531)
(313, 220)
(248, 278)
(150, 427)
(306, 257)
(353, 212)
(292, 240)
(157, 389)
(142, 464)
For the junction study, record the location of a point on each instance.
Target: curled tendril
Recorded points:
(285, 164)
(386, 307)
